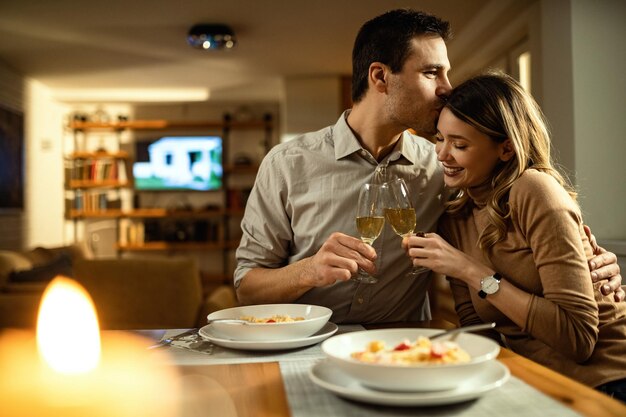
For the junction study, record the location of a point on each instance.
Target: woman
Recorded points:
(528, 272)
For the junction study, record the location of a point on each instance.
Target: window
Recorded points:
(523, 65)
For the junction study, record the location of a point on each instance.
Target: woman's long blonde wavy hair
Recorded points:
(498, 106)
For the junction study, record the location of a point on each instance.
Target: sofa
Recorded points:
(133, 293)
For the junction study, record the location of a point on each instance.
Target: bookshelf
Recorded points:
(91, 177)
(96, 180)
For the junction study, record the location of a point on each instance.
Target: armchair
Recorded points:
(134, 293)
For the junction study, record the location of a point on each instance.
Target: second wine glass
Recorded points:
(400, 213)
(370, 220)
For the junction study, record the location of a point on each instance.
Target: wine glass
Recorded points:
(400, 213)
(369, 221)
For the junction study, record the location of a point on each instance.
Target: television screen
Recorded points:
(179, 163)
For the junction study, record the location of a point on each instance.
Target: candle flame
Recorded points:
(68, 335)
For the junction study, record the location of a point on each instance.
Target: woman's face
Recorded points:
(469, 156)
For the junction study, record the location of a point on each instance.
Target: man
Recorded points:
(299, 229)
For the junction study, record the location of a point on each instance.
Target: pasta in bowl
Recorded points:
(407, 360)
(270, 322)
(421, 352)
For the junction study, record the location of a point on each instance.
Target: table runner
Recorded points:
(514, 399)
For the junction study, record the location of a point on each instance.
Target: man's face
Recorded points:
(415, 94)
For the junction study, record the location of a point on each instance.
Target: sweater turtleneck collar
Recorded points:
(480, 194)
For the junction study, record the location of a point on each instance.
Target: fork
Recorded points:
(455, 332)
(169, 340)
(235, 321)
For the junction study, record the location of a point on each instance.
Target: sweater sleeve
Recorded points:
(463, 303)
(566, 316)
(460, 292)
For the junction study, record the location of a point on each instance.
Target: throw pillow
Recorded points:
(61, 265)
(11, 261)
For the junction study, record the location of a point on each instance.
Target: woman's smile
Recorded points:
(451, 171)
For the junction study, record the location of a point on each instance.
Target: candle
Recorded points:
(69, 369)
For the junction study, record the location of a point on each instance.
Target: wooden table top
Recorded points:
(581, 398)
(254, 389)
(257, 390)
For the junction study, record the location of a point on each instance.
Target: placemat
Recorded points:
(514, 399)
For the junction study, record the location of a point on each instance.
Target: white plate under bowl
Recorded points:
(325, 332)
(331, 378)
(315, 317)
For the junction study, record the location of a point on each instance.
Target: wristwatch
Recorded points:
(489, 285)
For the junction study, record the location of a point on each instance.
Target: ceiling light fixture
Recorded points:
(211, 36)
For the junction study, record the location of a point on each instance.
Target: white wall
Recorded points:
(554, 78)
(44, 166)
(599, 58)
(41, 222)
(310, 104)
(582, 61)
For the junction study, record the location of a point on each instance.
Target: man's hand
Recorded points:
(339, 258)
(604, 267)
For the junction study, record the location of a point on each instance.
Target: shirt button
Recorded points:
(360, 300)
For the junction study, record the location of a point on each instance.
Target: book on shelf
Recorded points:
(131, 232)
(122, 237)
(96, 170)
(120, 170)
(95, 201)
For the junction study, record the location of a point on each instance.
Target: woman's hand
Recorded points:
(433, 252)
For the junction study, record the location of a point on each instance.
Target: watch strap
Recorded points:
(495, 276)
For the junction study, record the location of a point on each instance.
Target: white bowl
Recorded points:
(315, 317)
(393, 377)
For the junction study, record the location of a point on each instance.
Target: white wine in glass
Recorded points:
(400, 213)
(402, 220)
(370, 220)
(370, 227)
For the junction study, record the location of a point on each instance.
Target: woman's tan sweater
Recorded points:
(571, 327)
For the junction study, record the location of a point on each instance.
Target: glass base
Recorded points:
(365, 278)
(417, 270)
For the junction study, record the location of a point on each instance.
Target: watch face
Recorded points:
(490, 285)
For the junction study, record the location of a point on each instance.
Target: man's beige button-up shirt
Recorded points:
(308, 188)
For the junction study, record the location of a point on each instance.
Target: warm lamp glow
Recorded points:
(131, 95)
(63, 370)
(68, 336)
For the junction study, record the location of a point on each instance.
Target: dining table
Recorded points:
(230, 382)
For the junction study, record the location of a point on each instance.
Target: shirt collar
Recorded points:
(407, 147)
(346, 143)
